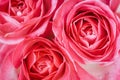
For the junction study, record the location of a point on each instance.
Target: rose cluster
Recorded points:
(59, 40)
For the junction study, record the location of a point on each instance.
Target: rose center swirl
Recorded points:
(88, 29)
(43, 62)
(17, 7)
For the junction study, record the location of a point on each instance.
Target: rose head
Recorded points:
(41, 59)
(88, 29)
(21, 18)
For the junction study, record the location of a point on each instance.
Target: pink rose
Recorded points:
(22, 18)
(87, 29)
(41, 59)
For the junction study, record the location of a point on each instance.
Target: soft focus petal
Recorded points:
(4, 5)
(113, 4)
(7, 69)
